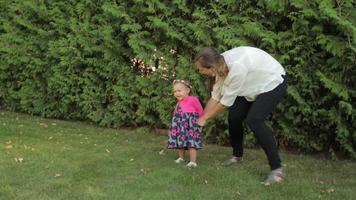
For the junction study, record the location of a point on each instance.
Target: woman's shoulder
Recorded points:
(236, 50)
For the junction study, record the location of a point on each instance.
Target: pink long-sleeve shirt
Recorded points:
(190, 104)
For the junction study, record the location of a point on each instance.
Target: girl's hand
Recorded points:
(201, 121)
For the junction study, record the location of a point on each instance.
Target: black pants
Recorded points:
(255, 113)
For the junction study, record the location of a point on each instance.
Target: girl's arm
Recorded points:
(199, 107)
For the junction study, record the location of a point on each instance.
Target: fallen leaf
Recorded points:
(331, 190)
(19, 160)
(57, 175)
(8, 142)
(238, 193)
(145, 170)
(265, 184)
(161, 152)
(44, 125)
(206, 182)
(107, 151)
(132, 159)
(50, 138)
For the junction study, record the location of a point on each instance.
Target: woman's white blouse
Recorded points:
(252, 71)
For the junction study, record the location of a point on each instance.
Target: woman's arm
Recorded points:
(211, 110)
(211, 103)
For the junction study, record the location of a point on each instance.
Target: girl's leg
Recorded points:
(181, 153)
(193, 158)
(237, 114)
(193, 155)
(258, 113)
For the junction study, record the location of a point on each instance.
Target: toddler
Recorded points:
(185, 133)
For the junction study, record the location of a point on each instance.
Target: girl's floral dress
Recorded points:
(184, 131)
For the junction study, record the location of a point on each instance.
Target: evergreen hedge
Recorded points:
(112, 62)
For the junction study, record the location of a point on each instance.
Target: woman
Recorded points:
(250, 83)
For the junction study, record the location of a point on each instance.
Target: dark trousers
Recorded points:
(255, 114)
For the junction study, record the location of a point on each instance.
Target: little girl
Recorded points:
(184, 132)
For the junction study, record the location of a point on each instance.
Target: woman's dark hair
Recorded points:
(209, 57)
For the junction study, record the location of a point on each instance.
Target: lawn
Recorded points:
(53, 159)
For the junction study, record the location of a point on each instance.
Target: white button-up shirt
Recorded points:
(252, 71)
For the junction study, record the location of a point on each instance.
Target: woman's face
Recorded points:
(180, 91)
(205, 71)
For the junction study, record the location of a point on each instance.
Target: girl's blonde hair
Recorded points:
(183, 81)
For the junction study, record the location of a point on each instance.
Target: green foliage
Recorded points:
(112, 62)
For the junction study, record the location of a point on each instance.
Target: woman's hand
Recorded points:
(211, 110)
(201, 121)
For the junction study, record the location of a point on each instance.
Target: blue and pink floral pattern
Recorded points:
(184, 131)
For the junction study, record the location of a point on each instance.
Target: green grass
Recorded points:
(74, 160)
